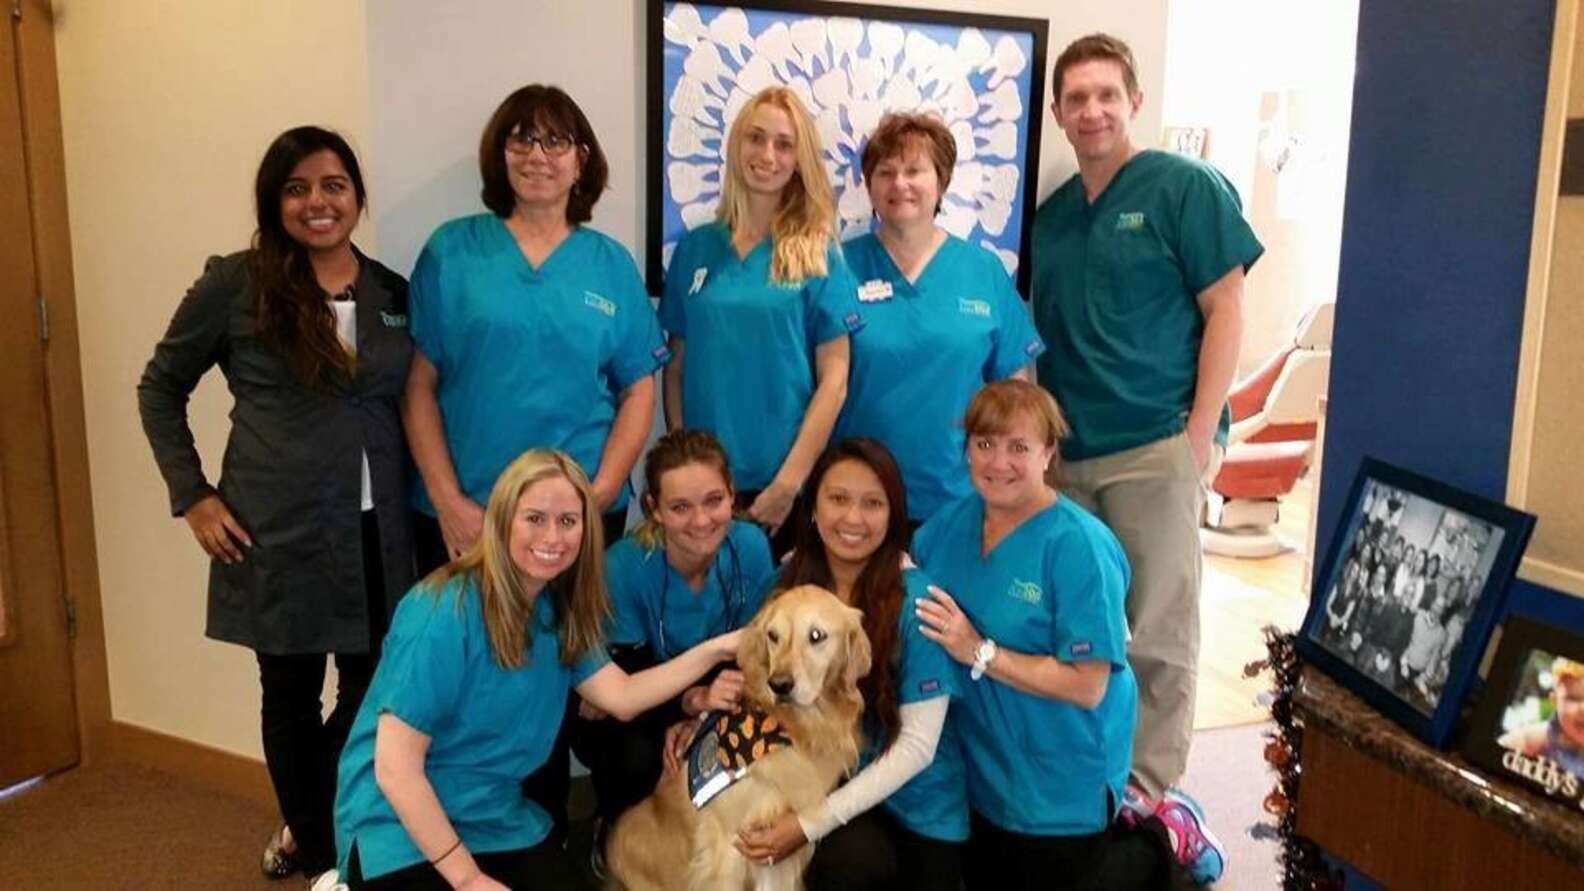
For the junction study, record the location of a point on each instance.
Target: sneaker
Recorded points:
(1192, 842)
(329, 880)
(1136, 807)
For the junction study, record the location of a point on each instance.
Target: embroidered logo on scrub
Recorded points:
(393, 319)
(970, 307)
(929, 686)
(699, 275)
(1081, 648)
(852, 322)
(1028, 592)
(602, 304)
(1034, 347)
(1130, 222)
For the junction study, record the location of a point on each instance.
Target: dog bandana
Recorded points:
(725, 746)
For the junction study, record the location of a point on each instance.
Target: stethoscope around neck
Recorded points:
(733, 594)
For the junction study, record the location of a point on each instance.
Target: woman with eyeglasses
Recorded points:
(687, 573)
(759, 306)
(532, 331)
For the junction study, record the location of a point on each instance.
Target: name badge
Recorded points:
(874, 291)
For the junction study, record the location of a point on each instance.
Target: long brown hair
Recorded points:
(878, 590)
(578, 595)
(294, 314)
(677, 448)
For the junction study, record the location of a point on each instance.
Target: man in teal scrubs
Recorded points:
(1139, 261)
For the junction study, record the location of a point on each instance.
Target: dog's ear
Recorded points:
(753, 655)
(858, 656)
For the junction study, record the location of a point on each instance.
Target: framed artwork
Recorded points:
(1529, 727)
(850, 64)
(1191, 141)
(1407, 597)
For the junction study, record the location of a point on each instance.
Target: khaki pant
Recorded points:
(1151, 497)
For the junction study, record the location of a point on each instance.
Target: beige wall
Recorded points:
(166, 110)
(167, 107)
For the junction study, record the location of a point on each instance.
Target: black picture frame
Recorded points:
(1513, 734)
(657, 208)
(1397, 628)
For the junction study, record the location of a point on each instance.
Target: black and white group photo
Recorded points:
(1410, 577)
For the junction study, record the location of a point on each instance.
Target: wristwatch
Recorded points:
(982, 657)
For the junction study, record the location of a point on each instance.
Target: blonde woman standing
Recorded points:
(759, 306)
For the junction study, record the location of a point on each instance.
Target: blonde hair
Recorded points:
(805, 224)
(1564, 670)
(578, 595)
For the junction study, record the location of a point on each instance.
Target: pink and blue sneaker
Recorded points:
(1192, 842)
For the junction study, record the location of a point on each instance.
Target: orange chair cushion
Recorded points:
(1262, 470)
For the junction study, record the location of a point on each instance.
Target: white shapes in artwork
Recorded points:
(962, 132)
(885, 41)
(959, 103)
(701, 212)
(901, 94)
(1001, 104)
(800, 85)
(966, 180)
(958, 219)
(867, 75)
(845, 36)
(755, 76)
(831, 89)
(688, 139)
(993, 216)
(972, 48)
(775, 45)
(1009, 259)
(999, 141)
(690, 99)
(808, 37)
(863, 116)
(730, 30)
(853, 206)
(1001, 182)
(689, 181)
(705, 64)
(833, 136)
(683, 26)
(734, 106)
(918, 54)
(666, 250)
(1006, 61)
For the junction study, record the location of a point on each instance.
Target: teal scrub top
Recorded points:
(488, 727)
(934, 802)
(924, 350)
(528, 357)
(1115, 288)
(1054, 586)
(750, 343)
(651, 604)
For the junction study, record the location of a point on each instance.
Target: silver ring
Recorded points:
(770, 861)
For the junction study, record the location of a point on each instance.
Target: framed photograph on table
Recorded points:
(1405, 603)
(1529, 727)
(849, 63)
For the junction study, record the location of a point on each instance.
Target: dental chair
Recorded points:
(1275, 412)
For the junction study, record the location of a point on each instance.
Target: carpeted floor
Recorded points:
(122, 827)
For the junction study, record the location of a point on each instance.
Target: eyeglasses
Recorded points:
(554, 144)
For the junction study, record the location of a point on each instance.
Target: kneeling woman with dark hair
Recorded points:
(469, 695)
(851, 538)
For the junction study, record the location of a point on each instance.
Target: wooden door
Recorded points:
(38, 721)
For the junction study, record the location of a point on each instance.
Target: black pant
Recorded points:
(300, 747)
(543, 866)
(430, 549)
(782, 540)
(624, 758)
(875, 852)
(1117, 859)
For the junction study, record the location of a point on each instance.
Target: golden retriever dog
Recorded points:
(801, 659)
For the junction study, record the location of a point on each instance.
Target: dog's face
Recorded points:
(804, 642)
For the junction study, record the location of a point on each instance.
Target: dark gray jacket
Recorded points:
(292, 472)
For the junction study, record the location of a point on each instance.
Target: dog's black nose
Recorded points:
(781, 686)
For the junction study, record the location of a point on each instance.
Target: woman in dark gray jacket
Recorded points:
(308, 531)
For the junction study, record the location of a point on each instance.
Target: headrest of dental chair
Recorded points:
(1314, 332)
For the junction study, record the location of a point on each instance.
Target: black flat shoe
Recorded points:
(278, 863)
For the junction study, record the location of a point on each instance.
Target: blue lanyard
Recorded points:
(733, 595)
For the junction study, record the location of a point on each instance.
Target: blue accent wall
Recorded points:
(1447, 104)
